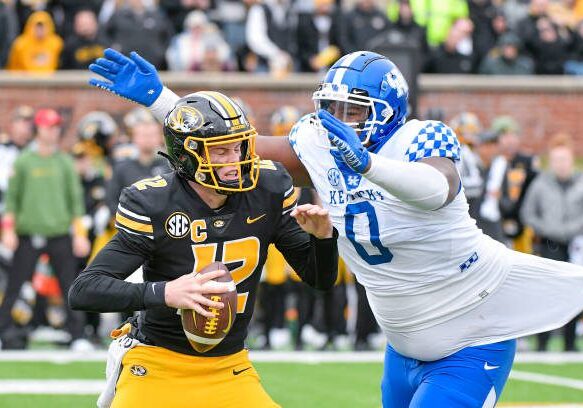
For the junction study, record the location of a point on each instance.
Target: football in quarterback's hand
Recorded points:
(204, 333)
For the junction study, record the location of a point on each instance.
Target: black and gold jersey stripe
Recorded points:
(290, 200)
(133, 223)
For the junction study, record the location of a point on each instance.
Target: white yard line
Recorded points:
(93, 387)
(542, 405)
(65, 356)
(546, 379)
(87, 387)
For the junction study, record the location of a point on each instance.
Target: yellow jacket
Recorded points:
(30, 52)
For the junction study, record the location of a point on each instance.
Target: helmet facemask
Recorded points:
(194, 129)
(356, 109)
(207, 172)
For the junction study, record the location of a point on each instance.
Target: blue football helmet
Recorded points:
(366, 91)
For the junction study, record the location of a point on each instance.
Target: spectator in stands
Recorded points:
(231, 16)
(482, 14)
(200, 47)
(64, 11)
(549, 47)
(8, 30)
(437, 16)
(140, 25)
(574, 64)
(270, 34)
(177, 10)
(18, 135)
(506, 59)
(552, 207)
(85, 44)
(404, 30)
(456, 54)
(363, 23)
(88, 156)
(492, 167)
(43, 174)
(527, 27)
(521, 169)
(321, 36)
(515, 11)
(467, 126)
(146, 136)
(38, 48)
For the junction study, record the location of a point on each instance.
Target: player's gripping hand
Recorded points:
(314, 220)
(346, 141)
(187, 291)
(133, 78)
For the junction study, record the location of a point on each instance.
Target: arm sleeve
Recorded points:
(163, 104)
(314, 260)
(101, 286)
(418, 184)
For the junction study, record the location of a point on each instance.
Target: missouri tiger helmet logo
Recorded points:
(177, 225)
(185, 119)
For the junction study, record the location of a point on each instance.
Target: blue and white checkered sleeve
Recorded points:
(435, 139)
(295, 139)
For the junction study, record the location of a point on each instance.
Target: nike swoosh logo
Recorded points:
(252, 220)
(235, 372)
(489, 367)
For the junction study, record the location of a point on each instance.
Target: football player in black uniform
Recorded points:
(222, 203)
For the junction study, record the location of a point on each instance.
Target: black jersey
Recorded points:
(164, 225)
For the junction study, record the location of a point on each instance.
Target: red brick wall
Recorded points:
(540, 110)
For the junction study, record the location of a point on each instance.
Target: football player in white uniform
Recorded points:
(450, 300)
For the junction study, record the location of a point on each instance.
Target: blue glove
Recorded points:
(132, 78)
(346, 141)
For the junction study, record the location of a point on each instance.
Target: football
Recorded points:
(204, 333)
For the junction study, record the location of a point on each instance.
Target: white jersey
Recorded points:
(420, 268)
(435, 283)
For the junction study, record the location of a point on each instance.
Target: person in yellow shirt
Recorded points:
(38, 48)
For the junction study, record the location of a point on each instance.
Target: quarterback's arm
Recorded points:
(101, 286)
(314, 260)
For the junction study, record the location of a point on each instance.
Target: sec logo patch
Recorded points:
(177, 225)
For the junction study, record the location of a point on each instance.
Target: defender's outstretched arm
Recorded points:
(136, 79)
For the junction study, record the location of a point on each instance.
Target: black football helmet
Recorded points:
(202, 120)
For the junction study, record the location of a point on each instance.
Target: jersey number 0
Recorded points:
(384, 255)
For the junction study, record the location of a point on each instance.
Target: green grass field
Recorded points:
(297, 385)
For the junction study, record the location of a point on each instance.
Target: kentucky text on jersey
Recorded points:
(341, 197)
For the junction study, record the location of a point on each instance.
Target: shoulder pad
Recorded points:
(273, 177)
(138, 203)
(431, 138)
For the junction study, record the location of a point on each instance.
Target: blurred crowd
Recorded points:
(509, 37)
(44, 247)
